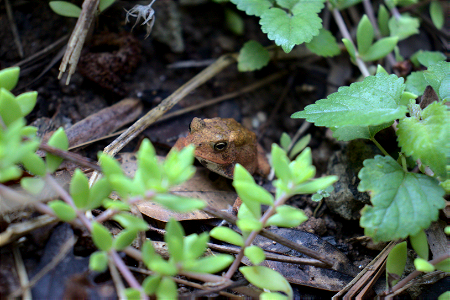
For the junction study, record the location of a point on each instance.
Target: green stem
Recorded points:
(379, 146)
(403, 159)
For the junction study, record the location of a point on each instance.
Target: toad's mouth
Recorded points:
(224, 170)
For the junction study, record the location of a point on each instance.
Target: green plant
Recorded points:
(67, 9)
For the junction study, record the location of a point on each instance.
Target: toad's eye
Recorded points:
(220, 146)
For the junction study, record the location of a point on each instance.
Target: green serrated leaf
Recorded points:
(404, 26)
(428, 139)
(383, 18)
(343, 4)
(167, 289)
(227, 235)
(372, 102)
(266, 278)
(62, 210)
(364, 35)
(98, 261)
(380, 49)
(211, 264)
(65, 9)
(420, 244)
(255, 254)
(9, 78)
(436, 75)
(416, 83)
(253, 7)
(403, 203)
(324, 44)
(27, 101)
(348, 133)
(396, 261)
(429, 58)
(79, 189)
(101, 237)
(253, 56)
(58, 140)
(290, 30)
(32, 185)
(437, 14)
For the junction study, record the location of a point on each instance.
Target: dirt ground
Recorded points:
(186, 38)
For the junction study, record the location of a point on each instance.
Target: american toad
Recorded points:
(221, 143)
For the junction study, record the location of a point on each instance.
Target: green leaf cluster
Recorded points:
(153, 176)
(437, 75)
(67, 9)
(286, 22)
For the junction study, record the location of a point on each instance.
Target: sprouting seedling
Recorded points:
(144, 11)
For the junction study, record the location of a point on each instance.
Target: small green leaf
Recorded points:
(248, 225)
(443, 266)
(253, 192)
(280, 163)
(109, 165)
(166, 268)
(372, 102)
(285, 141)
(250, 211)
(403, 27)
(437, 14)
(253, 56)
(195, 245)
(324, 44)
(99, 191)
(34, 164)
(234, 22)
(242, 175)
(266, 278)
(444, 296)
(427, 139)
(124, 239)
(287, 216)
(255, 254)
(300, 145)
(58, 140)
(32, 185)
(396, 261)
(429, 58)
(380, 49)
(350, 48)
(130, 221)
(253, 7)
(348, 133)
(227, 235)
(104, 4)
(9, 78)
(115, 204)
(211, 264)
(98, 261)
(383, 18)
(423, 266)
(65, 9)
(10, 110)
(364, 35)
(149, 253)
(27, 101)
(290, 30)
(420, 244)
(272, 296)
(403, 203)
(436, 76)
(167, 289)
(62, 210)
(79, 189)
(174, 238)
(101, 237)
(150, 284)
(415, 83)
(132, 293)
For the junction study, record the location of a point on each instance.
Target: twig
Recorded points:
(14, 28)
